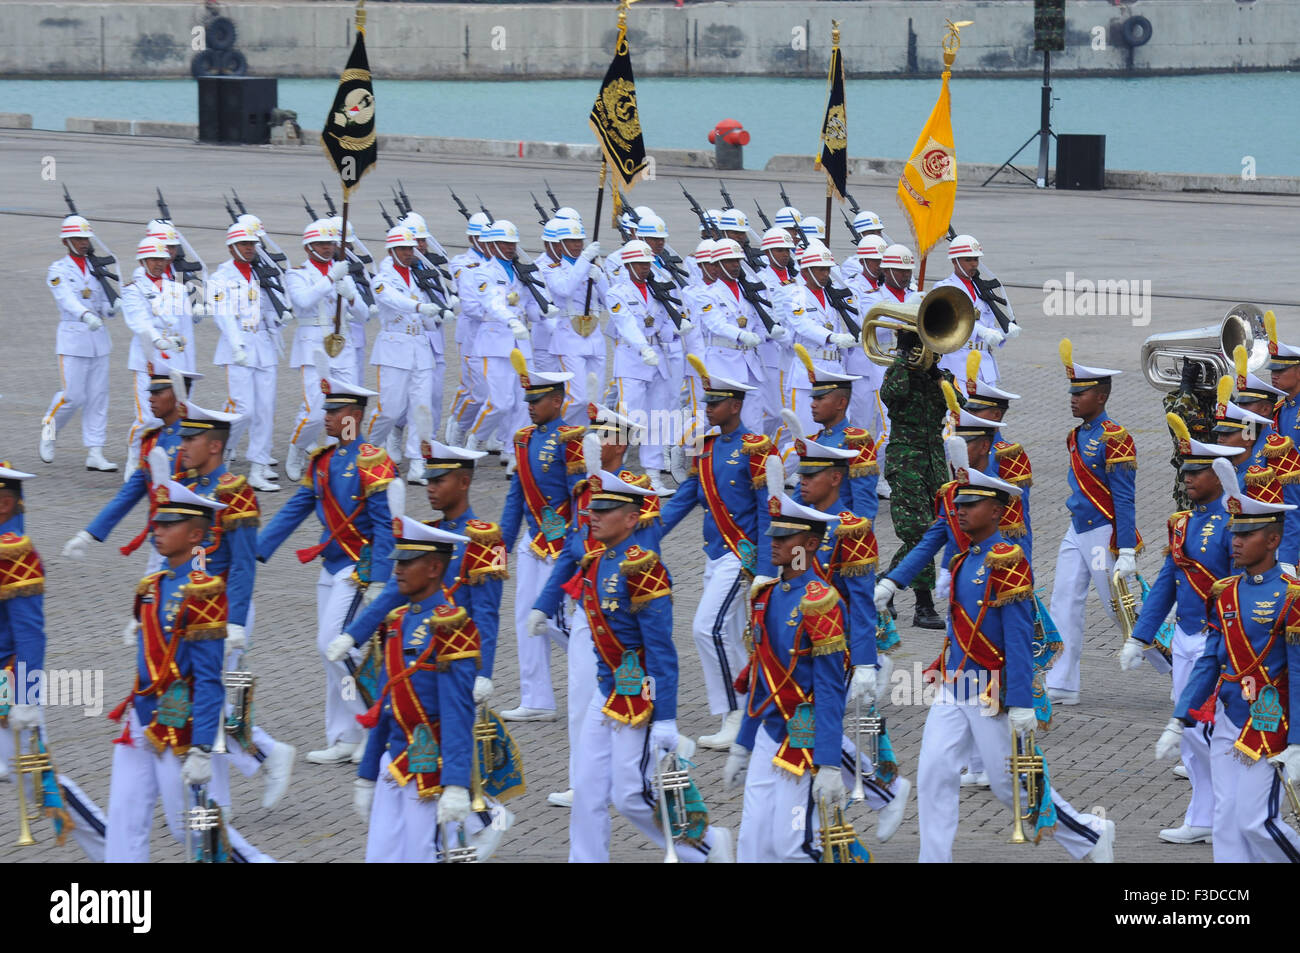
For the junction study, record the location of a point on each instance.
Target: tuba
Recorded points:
(1209, 348)
(943, 320)
(1292, 796)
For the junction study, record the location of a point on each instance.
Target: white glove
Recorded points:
(347, 288)
(236, 637)
(1171, 741)
(885, 590)
(363, 795)
(482, 689)
(176, 342)
(199, 312)
(663, 736)
(373, 311)
(1022, 720)
(76, 547)
(536, 623)
(447, 313)
(779, 332)
(863, 685)
(92, 321)
(590, 252)
(162, 342)
(649, 356)
(737, 763)
(551, 311)
(841, 339)
(117, 307)
(22, 717)
(518, 330)
(596, 274)
(338, 271)
(686, 327)
(428, 310)
(1126, 562)
(829, 785)
(453, 805)
(990, 337)
(1130, 655)
(197, 768)
(452, 301)
(1289, 757)
(943, 585)
(339, 647)
(128, 633)
(1012, 331)
(747, 339)
(886, 663)
(551, 324)
(240, 356)
(370, 595)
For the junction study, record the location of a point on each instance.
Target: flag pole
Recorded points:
(595, 231)
(835, 45)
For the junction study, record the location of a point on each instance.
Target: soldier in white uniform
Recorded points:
(356, 325)
(314, 289)
(248, 350)
(575, 343)
(788, 218)
(695, 297)
(867, 225)
(818, 326)
(408, 371)
(157, 310)
(471, 393)
(965, 253)
(82, 344)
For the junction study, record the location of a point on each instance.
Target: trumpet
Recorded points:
(873, 726)
(484, 733)
(1125, 604)
(837, 835)
(1292, 796)
(36, 763)
(673, 782)
(1209, 348)
(462, 853)
(1023, 760)
(943, 320)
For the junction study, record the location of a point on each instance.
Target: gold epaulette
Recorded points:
(456, 636)
(756, 443)
(852, 525)
(1276, 445)
(1259, 476)
(567, 432)
(205, 607)
(647, 579)
(857, 551)
(1005, 448)
(376, 468)
(638, 561)
(1012, 580)
(485, 555)
(368, 454)
(228, 484)
(1112, 430)
(818, 599)
(145, 584)
(1002, 555)
(203, 586)
(575, 460)
(12, 546)
(450, 617)
(21, 572)
(857, 437)
(1120, 449)
(1293, 615)
(822, 620)
(241, 502)
(483, 532)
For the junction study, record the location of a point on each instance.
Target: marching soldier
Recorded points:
(987, 667)
(469, 396)
(422, 743)
(817, 325)
(1249, 664)
(1199, 554)
(248, 350)
(631, 720)
(82, 344)
(867, 410)
(22, 617)
(788, 217)
(782, 269)
(575, 345)
(965, 253)
(728, 480)
(868, 227)
(862, 271)
(314, 289)
(1284, 368)
(548, 455)
(346, 486)
(1103, 470)
(361, 278)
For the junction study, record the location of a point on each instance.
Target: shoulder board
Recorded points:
(567, 432)
(229, 483)
(857, 437)
(369, 454)
(638, 561)
(1220, 585)
(483, 532)
(756, 443)
(1004, 554)
(523, 433)
(707, 306)
(12, 546)
(203, 586)
(1004, 448)
(148, 581)
(471, 264)
(818, 599)
(450, 616)
(1276, 445)
(796, 310)
(852, 525)
(1112, 430)
(554, 264)
(615, 306)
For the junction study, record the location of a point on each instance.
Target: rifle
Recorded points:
(484, 209)
(234, 217)
(329, 202)
(662, 291)
(705, 225)
(849, 223)
(311, 212)
(460, 206)
(726, 197)
(401, 191)
(543, 218)
(800, 238)
(761, 217)
(987, 288)
(387, 218)
(402, 210)
(98, 263)
(238, 204)
(527, 272)
(839, 299)
(555, 203)
(854, 207)
(752, 290)
(180, 264)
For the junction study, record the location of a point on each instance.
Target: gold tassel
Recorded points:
(855, 527)
(483, 532)
(1019, 594)
(639, 564)
(1010, 557)
(13, 546)
(206, 587)
(829, 646)
(821, 605)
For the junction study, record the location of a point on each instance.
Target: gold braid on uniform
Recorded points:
(241, 503)
(205, 607)
(647, 579)
(822, 618)
(757, 447)
(866, 462)
(1012, 579)
(21, 573)
(1120, 449)
(857, 551)
(455, 636)
(485, 556)
(377, 470)
(571, 436)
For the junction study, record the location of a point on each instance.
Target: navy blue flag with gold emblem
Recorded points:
(615, 120)
(349, 131)
(834, 156)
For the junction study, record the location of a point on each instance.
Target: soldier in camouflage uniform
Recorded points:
(1196, 409)
(915, 464)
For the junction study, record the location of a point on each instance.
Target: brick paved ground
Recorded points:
(1100, 752)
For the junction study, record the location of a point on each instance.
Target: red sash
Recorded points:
(1200, 578)
(974, 645)
(1246, 664)
(341, 528)
(146, 446)
(1097, 492)
(537, 503)
(629, 709)
(784, 691)
(732, 534)
(945, 508)
(160, 660)
(408, 710)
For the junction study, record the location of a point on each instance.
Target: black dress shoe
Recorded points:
(927, 618)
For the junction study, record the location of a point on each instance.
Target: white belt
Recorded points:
(716, 340)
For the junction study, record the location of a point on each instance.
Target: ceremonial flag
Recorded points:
(834, 156)
(614, 117)
(349, 131)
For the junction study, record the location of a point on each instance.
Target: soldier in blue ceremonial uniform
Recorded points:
(631, 720)
(346, 485)
(22, 617)
(728, 480)
(1250, 664)
(1284, 368)
(1199, 554)
(413, 785)
(548, 462)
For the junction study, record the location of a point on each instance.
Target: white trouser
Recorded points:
(657, 402)
(85, 388)
(252, 396)
(503, 399)
(310, 424)
(334, 593)
(779, 823)
(692, 400)
(1084, 558)
(770, 389)
(139, 778)
(719, 629)
(246, 762)
(949, 728)
(614, 768)
(1196, 740)
(469, 397)
(531, 573)
(576, 397)
(1248, 799)
(401, 390)
(544, 360)
(144, 418)
(801, 404)
(581, 680)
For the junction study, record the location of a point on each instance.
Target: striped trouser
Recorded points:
(719, 629)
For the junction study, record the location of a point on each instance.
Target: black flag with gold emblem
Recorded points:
(615, 120)
(349, 131)
(834, 157)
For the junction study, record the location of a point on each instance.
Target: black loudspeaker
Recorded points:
(1080, 162)
(1049, 25)
(236, 108)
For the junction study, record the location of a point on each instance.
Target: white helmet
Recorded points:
(787, 216)
(415, 222)
(871, 246)
(652, 226)
(238, 232)
(476, 223)
(776, 237)
(637, 251)
(565, 211)
(867, 222)
(321, 230)
(253, 224)
(151, 248)
(711, 216)
(74, 226)
(336, 223)
(897, 256)
(163, 231)
(642, 211)
(625, 220)
(704, 250)
(813, 226)
(567, 228)
(816, 255)
(727, 249)
(733, 220)
(964, 246)
(400, 235)
(501, 231)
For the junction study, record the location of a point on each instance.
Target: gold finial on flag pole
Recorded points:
(361, 16)
(952, 41)
(835, 34)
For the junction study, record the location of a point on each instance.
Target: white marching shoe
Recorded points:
(1180, 770)
(95, 460)
(46, 447)
(891, 815)
(726, 734)
(1063, 696)
(493, 445)
(677, 463)
(415, 473)
(1104, 851)
(451, 433)
(657, 483)
(278, 768)
(722, 850)
(262, 477)
(337, 753)
(972, 779)
(529, 714)
(1187, 834)
(560, 798)
(295, 463)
